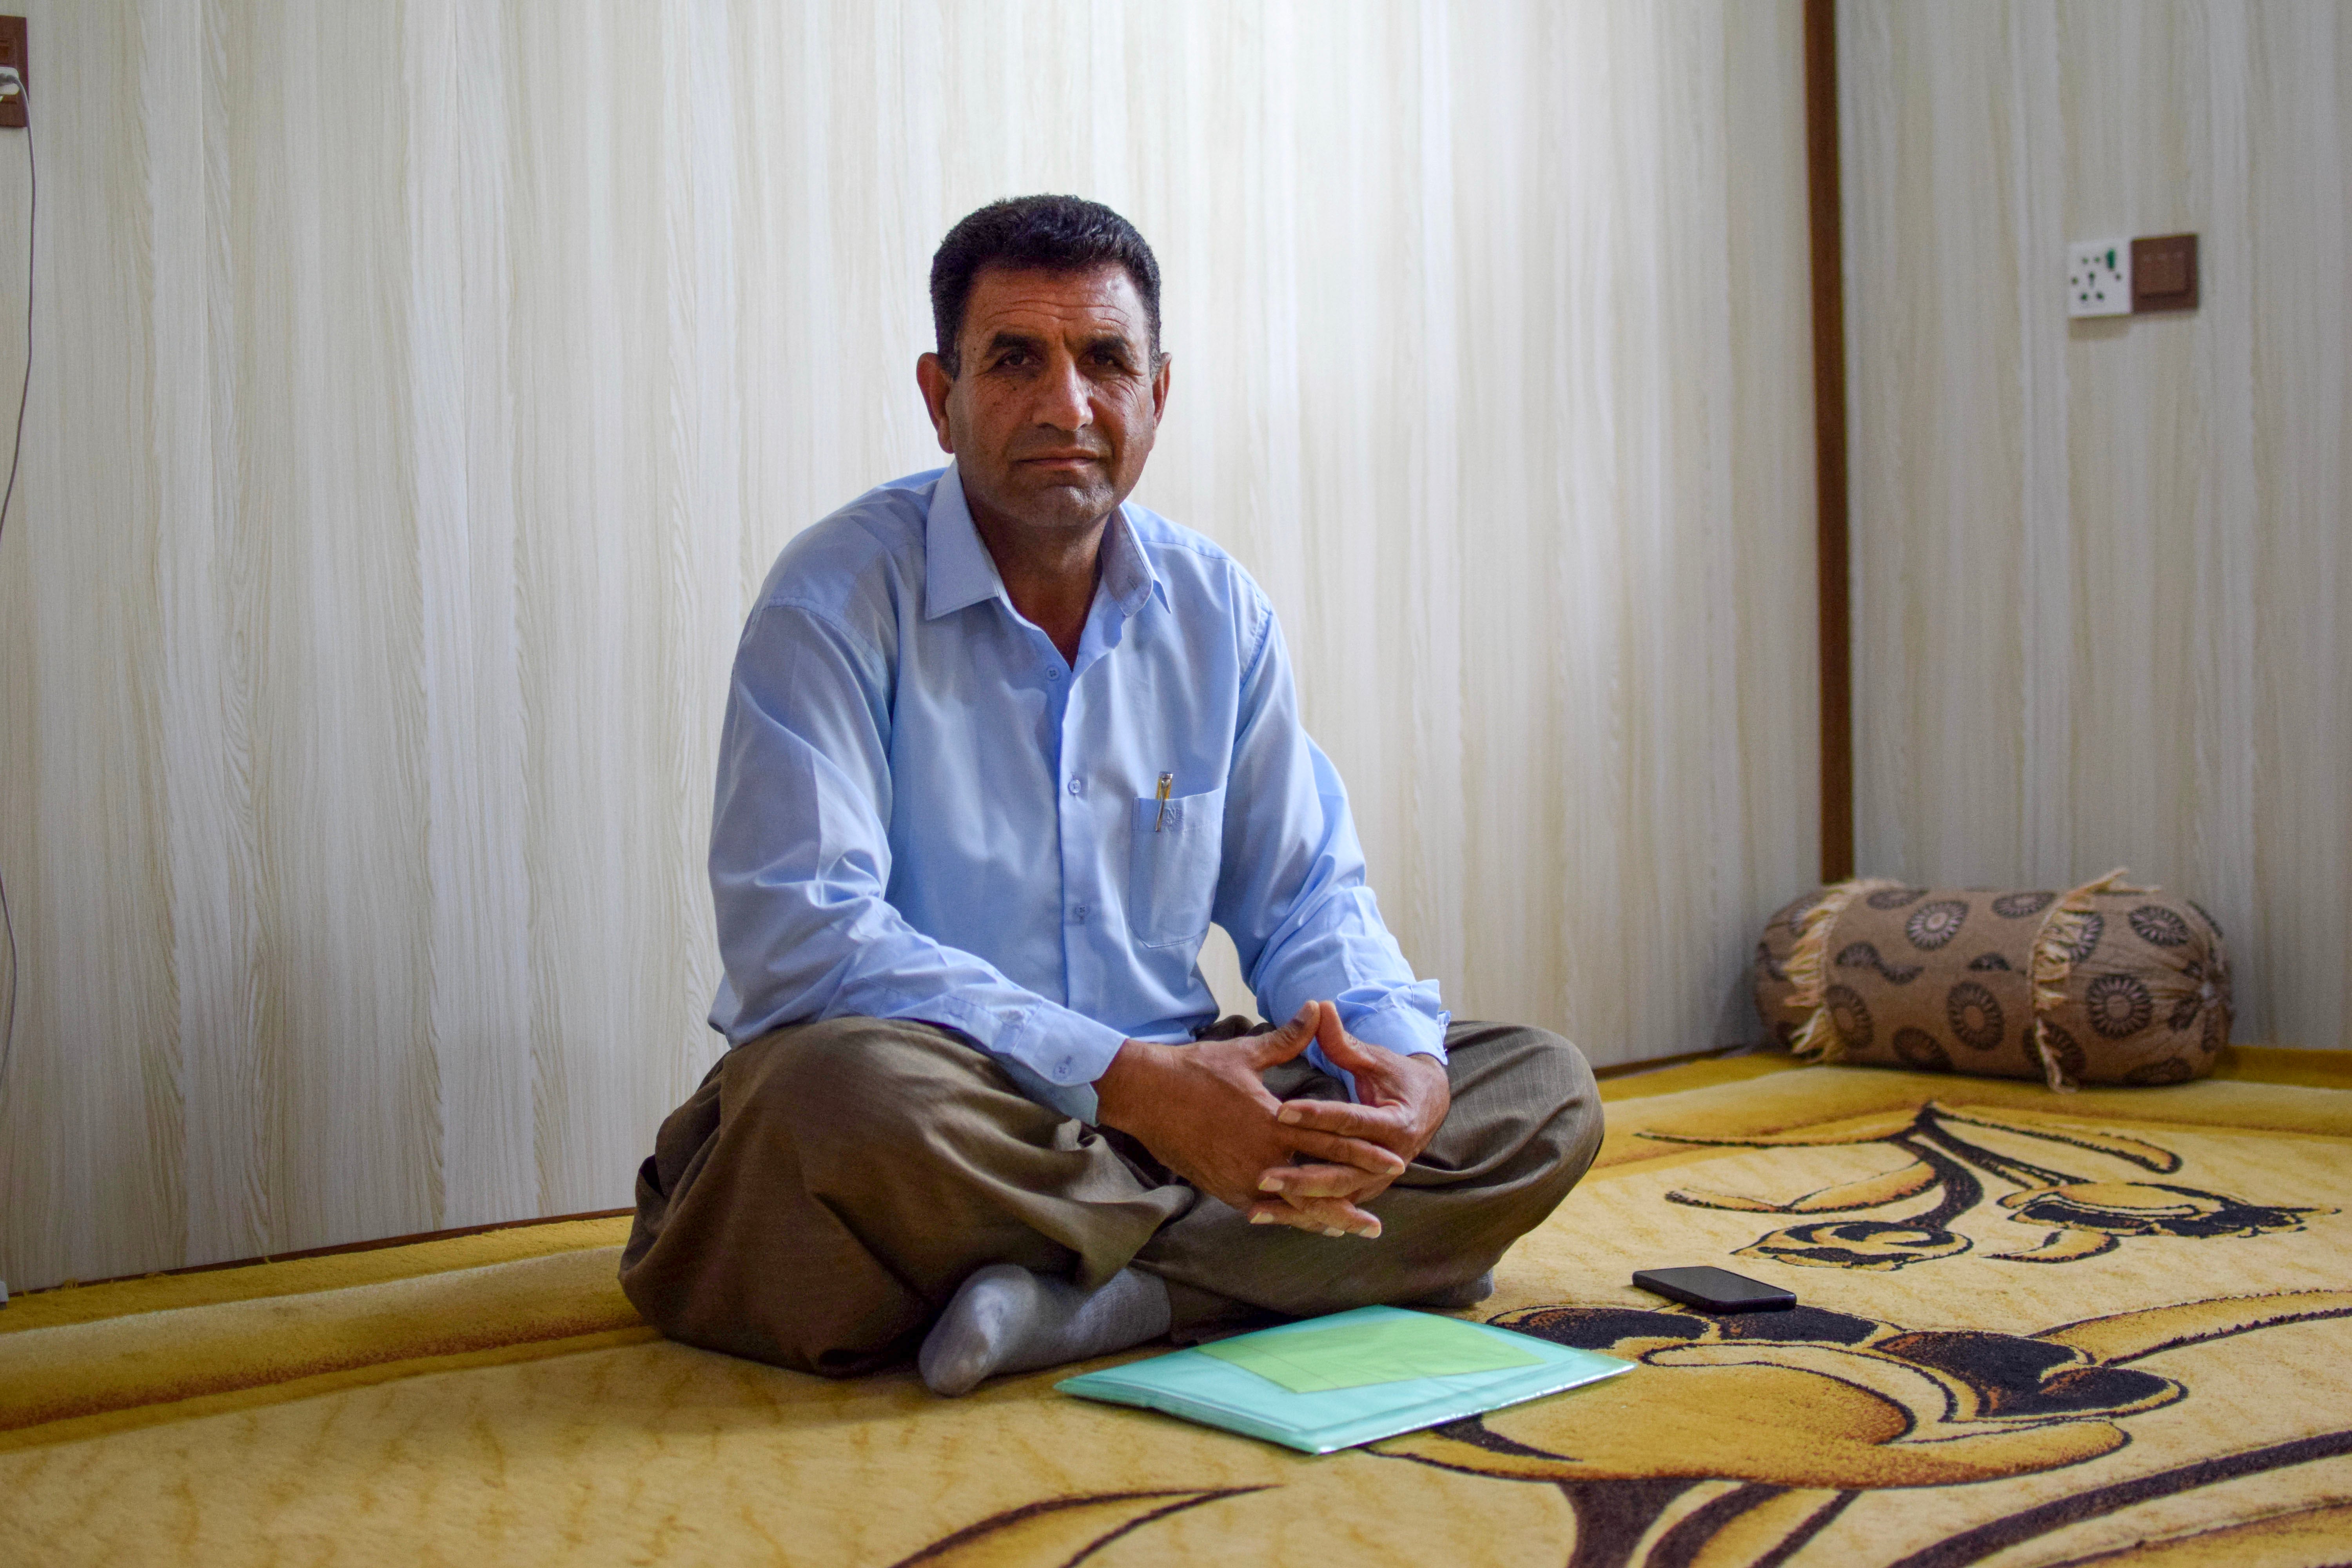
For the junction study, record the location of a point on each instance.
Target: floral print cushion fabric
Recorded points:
(2105, 984)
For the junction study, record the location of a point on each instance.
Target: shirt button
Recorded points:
(1053, 672)
(1077, 786)
(1078, 913)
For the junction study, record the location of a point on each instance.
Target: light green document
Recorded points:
(1356, 1352)
(1354, 1377)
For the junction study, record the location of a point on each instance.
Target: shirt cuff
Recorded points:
(1076, 1101)
(1401, 1027)
(1053, 1054)
(1394, 1026)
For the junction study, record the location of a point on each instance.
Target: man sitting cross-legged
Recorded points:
(999, 748)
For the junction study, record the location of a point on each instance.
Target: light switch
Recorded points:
(2164, 273)
(2098, 278)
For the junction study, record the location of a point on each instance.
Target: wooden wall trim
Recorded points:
(1836, 623)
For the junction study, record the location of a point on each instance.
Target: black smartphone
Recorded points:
(1716, 1290)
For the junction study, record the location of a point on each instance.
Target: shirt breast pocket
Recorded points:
(1173, 870)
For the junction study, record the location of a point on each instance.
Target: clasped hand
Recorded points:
(1204, 1112)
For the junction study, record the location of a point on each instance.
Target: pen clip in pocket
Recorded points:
(1178, 850)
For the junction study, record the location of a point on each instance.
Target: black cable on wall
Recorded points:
(16, 455)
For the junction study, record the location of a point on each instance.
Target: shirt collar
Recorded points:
(1128, 574)
(958, 572)
(956, 568)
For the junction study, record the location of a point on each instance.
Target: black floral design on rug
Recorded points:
(2019, 906)
(1991, 960)
(2083, 1216)
(1787, 1418)
(1895, 898)
(1807, 1409)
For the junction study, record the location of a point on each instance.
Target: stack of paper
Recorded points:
(1352, 1378)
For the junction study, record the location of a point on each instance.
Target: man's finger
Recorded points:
(1278, 1046)
(1340, 1047)
(1294, 1181)
(1322, 1216)
(1361, 1152)
(1380, 1124)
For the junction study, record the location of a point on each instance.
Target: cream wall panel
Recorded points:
(205, 616)
(2098, 564)
(461, 408)
(84, 831)
(425, 388)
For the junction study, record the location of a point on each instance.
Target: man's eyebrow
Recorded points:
(1011, 340)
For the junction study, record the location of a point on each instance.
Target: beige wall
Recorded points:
(423, 387)
(2101, 567)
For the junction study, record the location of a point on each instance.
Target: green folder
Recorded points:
(1331, 1383)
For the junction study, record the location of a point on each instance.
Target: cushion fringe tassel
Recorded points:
(2053, 964)
(1808, 967)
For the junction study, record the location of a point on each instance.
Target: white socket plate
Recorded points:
(2098, 278)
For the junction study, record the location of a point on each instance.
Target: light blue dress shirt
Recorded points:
(924, 813)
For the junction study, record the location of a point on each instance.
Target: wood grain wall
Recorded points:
(423, 387)
(2101, 566)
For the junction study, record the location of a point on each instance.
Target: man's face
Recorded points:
(1057, 401)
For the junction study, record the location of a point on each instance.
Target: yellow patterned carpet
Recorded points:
(2036, 1330)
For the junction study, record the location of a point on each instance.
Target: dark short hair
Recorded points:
(1049, 233)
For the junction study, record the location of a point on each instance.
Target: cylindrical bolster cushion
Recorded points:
(2107, 983)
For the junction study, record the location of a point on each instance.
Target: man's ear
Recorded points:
(932, 375)
(1160, 388)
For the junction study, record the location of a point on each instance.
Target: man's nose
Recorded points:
(1065, 401)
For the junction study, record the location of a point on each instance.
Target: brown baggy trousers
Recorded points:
(818, 1200)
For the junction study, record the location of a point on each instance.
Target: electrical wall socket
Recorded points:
(2098, 278)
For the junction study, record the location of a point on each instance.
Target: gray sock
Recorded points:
(1005, 1319)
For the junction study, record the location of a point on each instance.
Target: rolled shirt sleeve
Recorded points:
(1293, 893)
